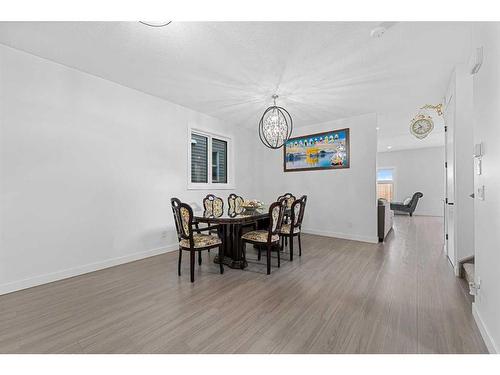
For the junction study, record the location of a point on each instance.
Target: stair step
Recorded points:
(469, 272)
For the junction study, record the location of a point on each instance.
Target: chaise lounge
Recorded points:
(408, 207)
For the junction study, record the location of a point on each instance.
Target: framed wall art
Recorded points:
(328, 150)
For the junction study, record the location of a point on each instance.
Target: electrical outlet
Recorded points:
(475, 287)
(480, 193)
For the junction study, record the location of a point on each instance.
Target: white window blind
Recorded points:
(199, 158)
(219, 161)
(209, 160)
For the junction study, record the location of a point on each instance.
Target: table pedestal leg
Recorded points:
(233, 255)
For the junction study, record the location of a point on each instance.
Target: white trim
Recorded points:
(230, 161)
(488, 340)
(80, 270)
(345, 236)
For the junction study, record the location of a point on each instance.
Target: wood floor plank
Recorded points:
(340, 297)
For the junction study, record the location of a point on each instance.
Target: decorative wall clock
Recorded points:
(422, 125)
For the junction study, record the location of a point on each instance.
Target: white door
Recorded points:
(449, 222)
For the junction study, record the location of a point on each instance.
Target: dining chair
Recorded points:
(213, 204)
(289, 198)
(235, 203)
(293, 229)
(175, 202)
(190, 241)
(270, 237)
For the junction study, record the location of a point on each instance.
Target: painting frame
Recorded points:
(346, 165)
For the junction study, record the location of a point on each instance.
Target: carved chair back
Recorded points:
(297, 212)
(289, 197)
(183, 214)
(235, 203)
(213, 205)
(276, 214)
(175, 203)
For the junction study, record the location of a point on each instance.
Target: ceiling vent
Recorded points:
(476, 60)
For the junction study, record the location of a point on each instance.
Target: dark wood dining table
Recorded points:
(230, 228)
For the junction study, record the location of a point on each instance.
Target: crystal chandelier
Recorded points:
(275, 126)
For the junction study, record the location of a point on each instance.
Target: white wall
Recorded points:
(88, 167)
(418, 170)
(462, 168)
(487, 212)
(341, 203)
(87, 170)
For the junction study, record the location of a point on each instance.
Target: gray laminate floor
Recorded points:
(340, 297)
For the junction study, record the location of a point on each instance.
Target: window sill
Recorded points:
(210, 186)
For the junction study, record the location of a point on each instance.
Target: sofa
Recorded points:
(409, 205)
(384, 219)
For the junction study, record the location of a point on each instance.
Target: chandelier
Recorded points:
(275, 126)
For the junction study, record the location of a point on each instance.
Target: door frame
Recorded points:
(449, 132)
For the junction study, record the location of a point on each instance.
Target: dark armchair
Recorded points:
(410, 206)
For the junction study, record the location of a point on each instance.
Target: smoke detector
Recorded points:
(381, 28)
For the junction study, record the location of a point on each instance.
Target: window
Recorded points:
(219, 161)
(385, 183)
(209, 161)
(199, 158)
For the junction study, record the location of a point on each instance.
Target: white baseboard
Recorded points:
(416, 214)
(427, 214)
(80, 270)
(345, 236)
(488, 340)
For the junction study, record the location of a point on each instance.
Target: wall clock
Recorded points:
(421, 126)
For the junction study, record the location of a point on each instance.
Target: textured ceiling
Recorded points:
(321, 70)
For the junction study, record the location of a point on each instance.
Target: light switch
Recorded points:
(478, 150)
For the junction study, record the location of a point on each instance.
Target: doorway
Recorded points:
(449, 164)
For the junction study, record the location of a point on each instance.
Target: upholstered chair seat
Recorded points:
(285, 229)
(259, 236)
(201, 240)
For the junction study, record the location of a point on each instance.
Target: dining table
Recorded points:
(230, 224)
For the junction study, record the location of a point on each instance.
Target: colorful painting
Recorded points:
(329, 150)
